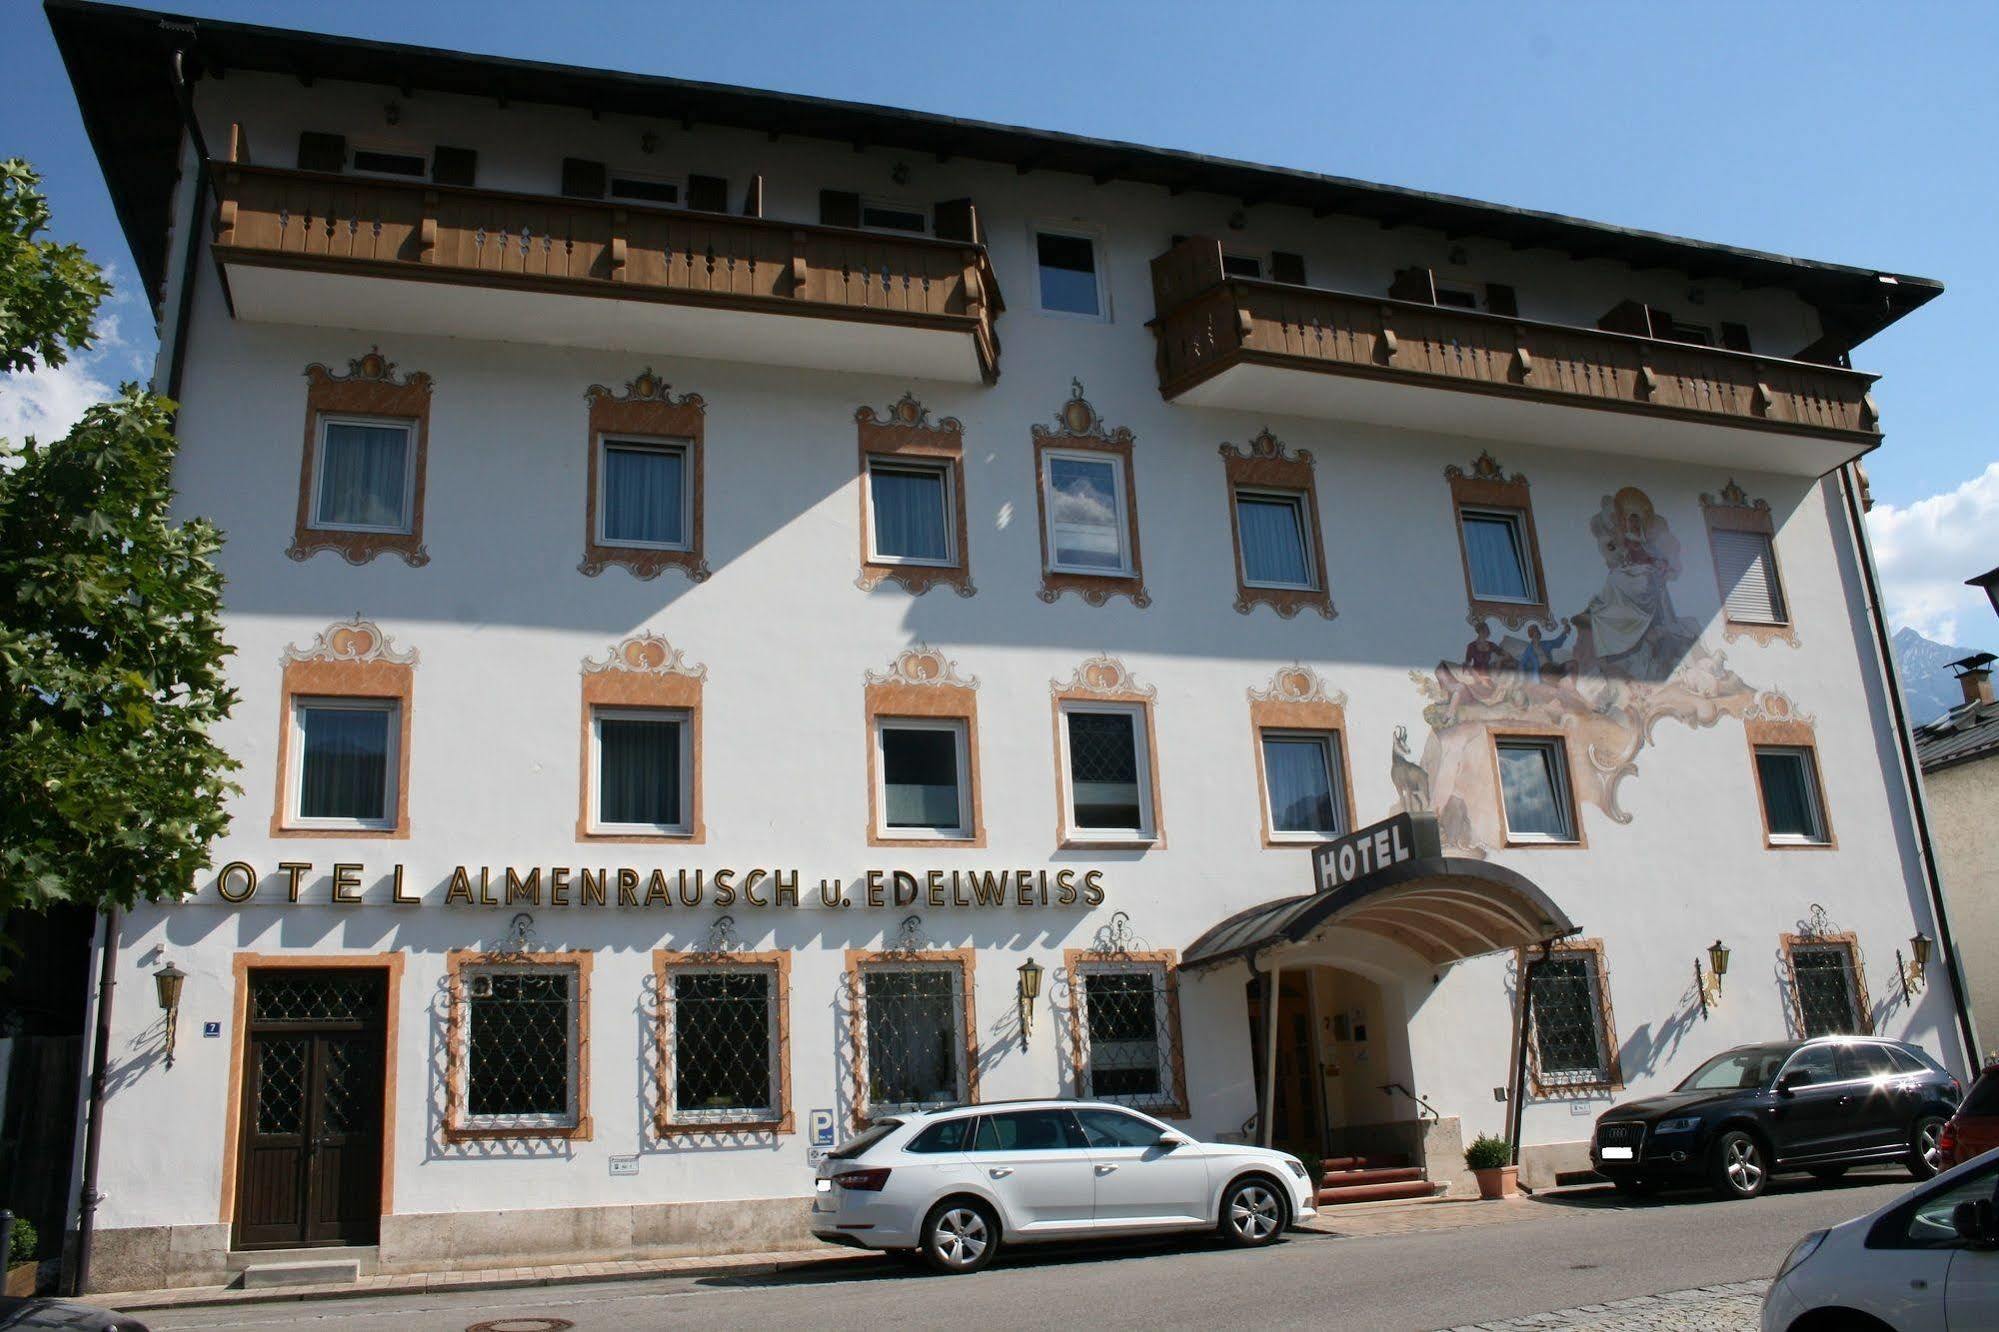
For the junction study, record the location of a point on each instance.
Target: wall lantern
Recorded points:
(1708, 983)
(1030, 990)
(1915, 972)
(168, 981)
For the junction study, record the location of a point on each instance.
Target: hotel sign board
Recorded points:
(1377, 847)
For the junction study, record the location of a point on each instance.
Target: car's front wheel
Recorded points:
(1739, 1168)
(1926, 1147)
(960, 1235)
(1253, 1213)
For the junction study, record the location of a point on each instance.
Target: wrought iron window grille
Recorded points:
(518, 1045)
(1571, 1046)
(912, 1024)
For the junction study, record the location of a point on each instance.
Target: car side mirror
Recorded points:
(1169, 1140)
(1793, 1080)
(1977, 1223)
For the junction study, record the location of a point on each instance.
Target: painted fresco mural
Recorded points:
(1604, 676)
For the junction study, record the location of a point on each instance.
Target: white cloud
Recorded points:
(46, 403)
(1926, 550)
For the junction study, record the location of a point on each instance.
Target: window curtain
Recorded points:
(909, 513)
(1086, 529)
(639, 777)
(1498, 564)
(644, 496)
(345, 769)
(362, 474)
(920, 778)
(1533, 793)
(1787, 804)
(1273, 541)
(1301, 790)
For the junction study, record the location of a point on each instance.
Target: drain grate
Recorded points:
(525, 1323)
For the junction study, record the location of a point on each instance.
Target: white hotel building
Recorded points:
(720, 580)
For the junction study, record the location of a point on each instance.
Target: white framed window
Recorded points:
(889, 215)
(1534, 786)
(1571, 1046)
(519, 1048)
(399, 161)
(1106, 770)
(1457, 294)
(1241, 265)
(1088, 529)
(641, 770)
(914, 1035)
(646, 187)
(1128, 1033)
(644, 498)
(1274, 539)
(364, 474)
(1788, 777)
(924, 768)
(1745, 563)
(344, 762)
(1498, 554)
(1069, 273)
(723, 1044)
(912, 516)
(1301, 780)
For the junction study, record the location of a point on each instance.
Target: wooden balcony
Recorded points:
(532, 268)
(1276, 348)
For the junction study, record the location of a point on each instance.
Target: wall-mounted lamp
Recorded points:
(1915, 970)
(1030, 990)
(167, 980)
(1709, 982)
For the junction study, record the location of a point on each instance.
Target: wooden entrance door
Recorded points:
(1296, 1124)
(311, 1167)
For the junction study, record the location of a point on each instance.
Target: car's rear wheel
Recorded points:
(960, 1235)
(1926, 1147)
(1253, 1213)
(1738, 1166)
(1828, 1174)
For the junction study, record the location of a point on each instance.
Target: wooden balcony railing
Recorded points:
(1208, 322)
(415, 229)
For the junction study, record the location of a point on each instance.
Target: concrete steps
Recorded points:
(264, 1269)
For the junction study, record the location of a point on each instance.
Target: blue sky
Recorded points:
(1836, 131)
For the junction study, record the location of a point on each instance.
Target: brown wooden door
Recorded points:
(311, 1167)
(1295, 1121)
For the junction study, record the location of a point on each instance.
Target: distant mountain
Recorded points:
(1927, 683)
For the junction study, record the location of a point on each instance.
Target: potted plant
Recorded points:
(1491, 1162)
(22, 1266)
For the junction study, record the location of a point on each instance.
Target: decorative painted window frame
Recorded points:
(1080, 962)
(1080, 430)
(1105, 680)
(1562, 1085)
(348, 659)
(665, 965)
(1566, 744)
(1846, 939)
(1297, 701)
(457, 962)
(1734, 511)
(858, 962)
(643, 671)
(1265, 464)
(1773, 721)
(646, 410)
(368, 389)
(1486, 486)
(906, 435)
(921, 683)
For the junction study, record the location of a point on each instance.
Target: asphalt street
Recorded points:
(1583, 1249)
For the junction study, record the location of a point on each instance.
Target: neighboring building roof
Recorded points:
(119, 63)
(1967, 732)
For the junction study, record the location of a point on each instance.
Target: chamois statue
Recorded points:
(1409, 778)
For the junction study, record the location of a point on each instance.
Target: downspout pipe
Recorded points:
(93, 1129)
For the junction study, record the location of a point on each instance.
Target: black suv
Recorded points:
(1819, 1105)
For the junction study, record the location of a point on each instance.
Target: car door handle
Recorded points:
(1105, 1169)
(1000, 1172)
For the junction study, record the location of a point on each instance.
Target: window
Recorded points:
(1242, 265)
(1828, 988)
(1815, 1065)
(1463, 298)
(925, 777)
(642, 188)
(517, 1053)
(1745, 563)
(363, 482)
(1273, 539)
(1128, 1030)
(1534, 783)
(916, 1029)
(1930, 1220)
(1084, 501)
(1105, 760)
(951, 1135)
(911, 512)
(644, 497)
(1108, 1128)
(389, 162)
(1068, 268)
(345, 763)
(894, 217)
(1030, 1131)
(1301, 782)
(1573, 1043)
(1496, 553)
(1863, 1059)
(642, 770)
(1788, 778)
(723, 1057)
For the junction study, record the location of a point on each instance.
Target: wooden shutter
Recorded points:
(583, 179)
(956, 220)
(709, 194)
(1288, 268)
(322, 152)
(838, 208)
(1501, 299)
(1735, 337)
(453, 166)
(1747, 568)
(1414, 284)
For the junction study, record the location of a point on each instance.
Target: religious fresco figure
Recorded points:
(1630, 627)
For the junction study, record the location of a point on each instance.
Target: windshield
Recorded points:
(1737, 1069)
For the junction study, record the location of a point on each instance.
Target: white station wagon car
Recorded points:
(954, 1184)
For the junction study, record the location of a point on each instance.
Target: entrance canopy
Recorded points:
(1444, 908)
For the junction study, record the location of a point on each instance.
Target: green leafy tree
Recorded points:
(111, 649)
